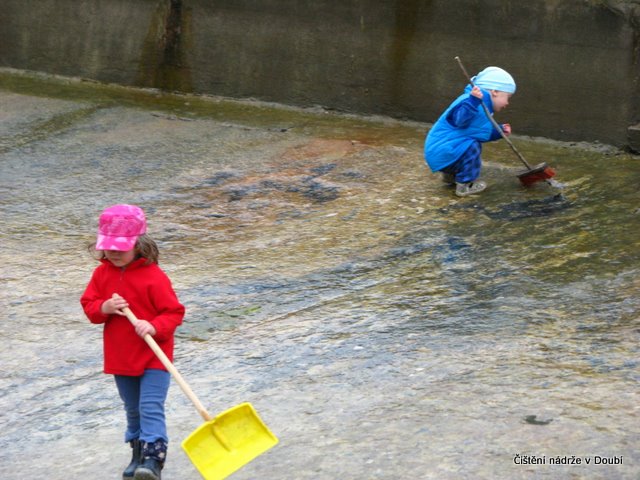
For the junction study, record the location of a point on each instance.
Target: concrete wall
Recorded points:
(575, 61)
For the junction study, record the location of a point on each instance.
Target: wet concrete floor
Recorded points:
(382, 327)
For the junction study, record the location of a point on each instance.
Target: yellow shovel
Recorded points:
(223, 444)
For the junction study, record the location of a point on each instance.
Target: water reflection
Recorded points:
(369, 315)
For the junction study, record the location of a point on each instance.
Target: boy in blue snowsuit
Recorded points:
(454, 144)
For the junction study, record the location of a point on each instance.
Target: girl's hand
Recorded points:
(476, 92)
(114, 305)
(506, 128)
(143, 327)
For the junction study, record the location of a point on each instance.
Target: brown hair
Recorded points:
(145, 247)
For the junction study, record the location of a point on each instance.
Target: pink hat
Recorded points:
(119, 228)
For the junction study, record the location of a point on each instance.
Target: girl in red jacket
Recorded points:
(129, 276)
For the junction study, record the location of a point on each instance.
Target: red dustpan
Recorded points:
(540, 173)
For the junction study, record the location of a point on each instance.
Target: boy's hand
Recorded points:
(143, 327)
(506, 128)
(476, 92)
(114, 305)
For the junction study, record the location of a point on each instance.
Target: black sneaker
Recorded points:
(448, 179)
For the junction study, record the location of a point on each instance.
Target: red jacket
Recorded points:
(150, 295)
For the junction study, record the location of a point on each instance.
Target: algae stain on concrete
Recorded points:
(163, 63)
(42, 130)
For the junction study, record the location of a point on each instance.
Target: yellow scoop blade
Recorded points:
(223, 445)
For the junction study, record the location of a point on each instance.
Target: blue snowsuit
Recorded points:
(453, 145)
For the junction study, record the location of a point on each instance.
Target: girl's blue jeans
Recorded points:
(144, 398)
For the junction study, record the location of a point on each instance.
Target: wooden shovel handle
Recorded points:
(171, 368)
(492, 120)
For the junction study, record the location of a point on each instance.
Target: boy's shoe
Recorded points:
(136, 448)
(448, 179)
(464, 189)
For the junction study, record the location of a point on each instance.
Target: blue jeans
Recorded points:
(467, 167)
(144, 398)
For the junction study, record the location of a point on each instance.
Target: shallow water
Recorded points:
(382, 327)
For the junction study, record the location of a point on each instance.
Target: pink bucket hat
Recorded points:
(119, 227)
